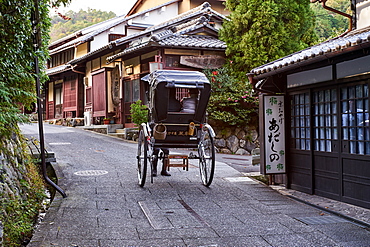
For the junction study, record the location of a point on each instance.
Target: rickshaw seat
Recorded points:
(179, 117)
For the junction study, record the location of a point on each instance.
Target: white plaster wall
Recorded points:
(363, 14)
(158, 16)
(119, 29)
(102, 39)
(132, 31)
(99, 41)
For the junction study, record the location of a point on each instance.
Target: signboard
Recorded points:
(274, 134)
(115, 89)
(203, 61)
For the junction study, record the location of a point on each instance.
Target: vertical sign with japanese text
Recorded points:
(274, 125)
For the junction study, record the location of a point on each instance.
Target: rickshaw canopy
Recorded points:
(162, 85)
(177, 79)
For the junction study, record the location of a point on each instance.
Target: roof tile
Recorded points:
(352, 39)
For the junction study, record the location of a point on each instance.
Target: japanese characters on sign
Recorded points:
(274, 134)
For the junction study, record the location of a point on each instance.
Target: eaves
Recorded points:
(101, 51)
(58, 69)
(353, 41)
(172, 42)
(202, 9)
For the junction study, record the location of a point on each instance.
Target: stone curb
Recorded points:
(355, 214)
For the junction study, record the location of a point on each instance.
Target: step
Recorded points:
(120, 135)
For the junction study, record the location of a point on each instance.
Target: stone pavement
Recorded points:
(351, 212)
(106, 207)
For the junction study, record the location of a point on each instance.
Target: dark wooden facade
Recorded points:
(99, 93)
(327, 124)
(68, 97)
(329, 155)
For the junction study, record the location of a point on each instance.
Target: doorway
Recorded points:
(330, 142)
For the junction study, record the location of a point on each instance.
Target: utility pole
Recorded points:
(37, 43)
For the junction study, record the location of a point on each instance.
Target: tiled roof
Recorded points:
(90, 32)
(205, 7)
(58, 69)
(194, 25)
(356, 39)
(126, 51)
(197, 20)
(79, 59)
(195, 41)
(167, 38)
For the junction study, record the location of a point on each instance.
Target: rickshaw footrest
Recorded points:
(177, 161)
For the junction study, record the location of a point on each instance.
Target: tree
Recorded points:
(231, 102)
(63, 25)
(329, 24)
(17, 74)
(258, 32)
(17, 87)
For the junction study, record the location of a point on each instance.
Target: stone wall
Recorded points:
(12, 170)
(1, 233)
(234, 140)
(19, 180)
(9, 175)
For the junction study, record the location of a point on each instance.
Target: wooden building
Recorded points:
(323, 92)
(95, 73)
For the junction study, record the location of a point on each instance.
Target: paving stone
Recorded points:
(295, 239)
(107, 210)
(344, 232)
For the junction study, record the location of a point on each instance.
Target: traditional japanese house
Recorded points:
(181, 7)
(315, 115)
(106, 61)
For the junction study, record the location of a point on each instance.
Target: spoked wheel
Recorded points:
(143, 157)
(206, 153)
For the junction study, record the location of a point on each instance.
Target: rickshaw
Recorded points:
(173, 127)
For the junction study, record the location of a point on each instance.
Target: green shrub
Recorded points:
(139, 113)
(232, 102)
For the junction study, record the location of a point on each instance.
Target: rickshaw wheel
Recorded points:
(206, 153)
(142, 158)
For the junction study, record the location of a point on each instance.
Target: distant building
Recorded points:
(322, 95)
(95, 72)
(182, 6)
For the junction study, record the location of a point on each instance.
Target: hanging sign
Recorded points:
(274, 141)
(115, 89)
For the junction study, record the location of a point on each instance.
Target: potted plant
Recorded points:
(106, 120)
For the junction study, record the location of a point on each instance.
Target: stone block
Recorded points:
(242, 143)
(232, 143)
(241, 134)
(249, 146)
(225, 151)
(221, 143)
(242, 152)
